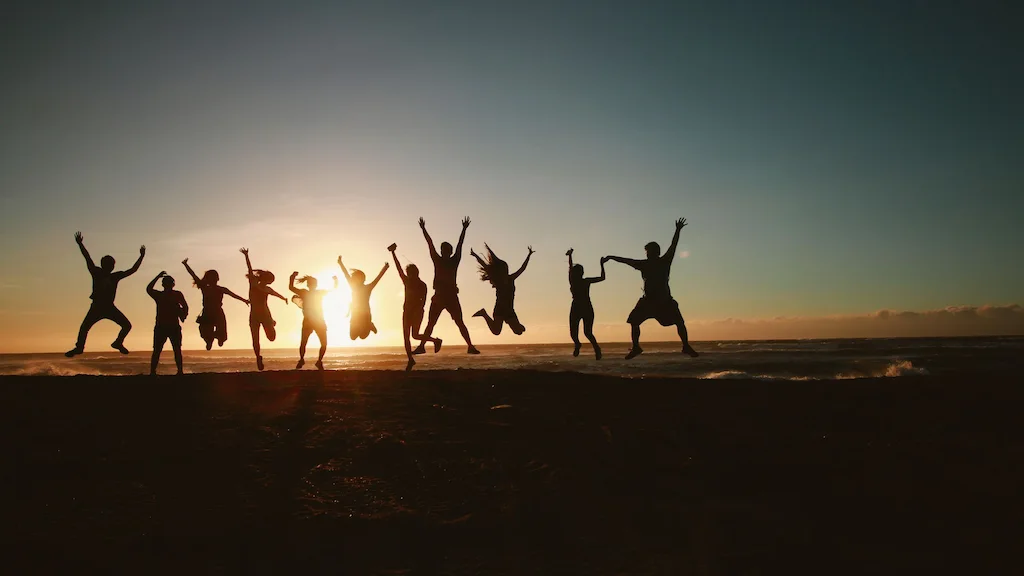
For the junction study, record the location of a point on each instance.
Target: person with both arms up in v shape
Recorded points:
(104, 289)
(446, 290)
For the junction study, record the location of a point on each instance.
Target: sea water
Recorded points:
(765, 360)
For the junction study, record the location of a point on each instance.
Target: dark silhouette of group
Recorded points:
(171, 308)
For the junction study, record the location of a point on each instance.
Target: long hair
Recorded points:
(309, 281)
(493, 269)
(210, 278)
(263, 276)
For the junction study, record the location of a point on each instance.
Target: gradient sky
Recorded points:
(833, 159)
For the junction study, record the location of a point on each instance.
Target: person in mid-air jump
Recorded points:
(582, 308)
(171, 310)
(657, 301)
(104, 289)
(311, 301)
(360, 321)
(495, 271)
(259, 310)
(412, 311)
(446, 290)
(213, 325)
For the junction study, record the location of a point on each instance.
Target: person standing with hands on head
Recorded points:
(582, 308)
(446, 289)
(104, 289)
(657, 301)
(412, 310)
(259, 310)
(171, 310)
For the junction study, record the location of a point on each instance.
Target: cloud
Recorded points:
(987, 320)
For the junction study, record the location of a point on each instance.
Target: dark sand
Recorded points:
(423, 473)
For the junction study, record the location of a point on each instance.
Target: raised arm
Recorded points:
(135, 267)
(248, 264)
(291, 283)
(569, 254)
(525, 262)
(478, 258)
(192, 274)
(462, 238)
(671, 252)
(380, 275)
(398, 265)
(235, 296)
(151, 287)
(80, 240)
(596, 279)
(430, 242)
(273, 292)
(344, 270)
(627, 261)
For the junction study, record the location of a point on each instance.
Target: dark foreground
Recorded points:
(504, 472)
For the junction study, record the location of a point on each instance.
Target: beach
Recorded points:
(512, 472)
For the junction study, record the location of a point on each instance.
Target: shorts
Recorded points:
(442, 301)
(665, 311)
(162, 334)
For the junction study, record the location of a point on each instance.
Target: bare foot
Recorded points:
(421, 349)
(689, 351)
(300, 364)
(73, 352)
(119, 346)
(634, 352)
(575, 350)
(597, 352)
(437, 345)
(319, 364)
(472, 350)
(480, 312)
(411, 363)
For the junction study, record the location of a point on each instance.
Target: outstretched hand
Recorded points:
(339, 260)
(530, 250)
(244, 251)
(472, 253)
(605, 259)
(142, 250)
(568, 252)
(423, 223)
(680, 223)
(185, 261)
(79, 238)
(393, 247)
(162, 274)
(294, 275)
(465, 222)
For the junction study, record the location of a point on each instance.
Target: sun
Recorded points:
(337, 301)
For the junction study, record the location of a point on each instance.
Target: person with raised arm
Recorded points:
(657, 301)
(582, 308)
(171, 310)
(259, 310)
(311, 301)
(361, 322)
(213, 325)
(446, 290)
(495, 271)
(104, 289)
(412, 310)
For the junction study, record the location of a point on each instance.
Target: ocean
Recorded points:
(764, 360)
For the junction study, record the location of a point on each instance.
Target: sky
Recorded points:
(841, 164)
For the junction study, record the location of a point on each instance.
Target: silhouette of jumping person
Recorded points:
(104, 289)
(311, 301)
(657, 301)
(259, 310)
(213, 325)
(171, 310)
(360, 322)
(495, 270)
(412, 310)
(446, 290)
(582, 308)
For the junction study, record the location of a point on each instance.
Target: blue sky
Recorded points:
(832, 160)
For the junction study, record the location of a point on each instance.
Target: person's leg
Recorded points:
(588, 331)
(321, 333)
(687, 349)
(306, 331)
(636, 350)
(176, 345)
(406, 329)
(436, 307)
(415, 319)
(493, 324)
(159, 337)
(118, 317)
(206, 331)
(221, 329)
(269, 328)
(91, 318)
(254, 330)
(512, 319)
(455, 310)
(574, 330)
